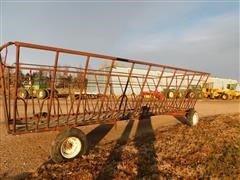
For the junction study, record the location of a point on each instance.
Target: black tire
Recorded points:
(42, 94)
(180, 95)
(192, 117)
(212, 96)
(58, 153)
(225, 97)
(23, 93)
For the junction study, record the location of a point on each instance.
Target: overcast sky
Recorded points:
(198, 35)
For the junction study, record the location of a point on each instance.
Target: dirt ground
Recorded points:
(25, 153)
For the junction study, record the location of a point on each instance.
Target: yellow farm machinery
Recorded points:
(231, 91)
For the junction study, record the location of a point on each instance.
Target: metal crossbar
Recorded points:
(68, 95)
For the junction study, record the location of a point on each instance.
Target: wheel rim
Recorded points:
(41, 94)
(192, 95)
(71, 147)
(180, 95)
(195, 119)
(170, 95)
(224, 96)
(22, 95)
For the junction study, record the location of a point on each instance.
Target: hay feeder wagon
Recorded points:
(119, 89)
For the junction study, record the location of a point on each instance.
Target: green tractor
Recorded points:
(173, 93)
(195, 91)
(38, 88)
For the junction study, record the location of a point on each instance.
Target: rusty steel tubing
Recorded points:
(126, 86)
(195, 101)
(186, 91)
(81, 89)
(48, 48)
(166, 92)
(110, 103)
(4, 97)
(178, 88)
(105, 88)
(52, 81)
(142, 88)
(16, 87)
(158, 83)
(194, 90)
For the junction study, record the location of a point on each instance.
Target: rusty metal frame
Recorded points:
(121, 94)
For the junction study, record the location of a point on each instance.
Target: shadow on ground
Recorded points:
(146, 162)
(97, 134)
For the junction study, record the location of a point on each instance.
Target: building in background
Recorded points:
(117, 83)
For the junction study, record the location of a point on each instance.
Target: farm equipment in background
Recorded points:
(173, 93)
(195, 91)
(39, 88)
(156, 94)
(231, 91)
(207, 89)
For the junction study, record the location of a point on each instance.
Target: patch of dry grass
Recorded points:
(211, 149)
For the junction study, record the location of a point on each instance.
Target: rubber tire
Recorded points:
(200, 95)
(225, 97)
(190, 115)
(170, 94)
(191, 95)
(23, 93)
(45, 94)
(55, 152)
(211, 96)
(180, 95)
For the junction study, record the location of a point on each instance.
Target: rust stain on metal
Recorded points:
(120, 92)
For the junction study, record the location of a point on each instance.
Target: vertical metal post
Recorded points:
(186, 91)
(167, 90)
(139, 102)
(120, 83)
(126, 86)
(195, 99)
(99, 92)
(4, 97)
(105, 89)
(52, 87)
(194, 90)
(81, 89)
(178, 87)
(157, 85)
(16, 87)
(9, 94)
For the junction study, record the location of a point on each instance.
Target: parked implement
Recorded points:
(231, 92)
(120, 93)
(38, 88)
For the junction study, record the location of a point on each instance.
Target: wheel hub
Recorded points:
(195, 119)
(71, 147)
